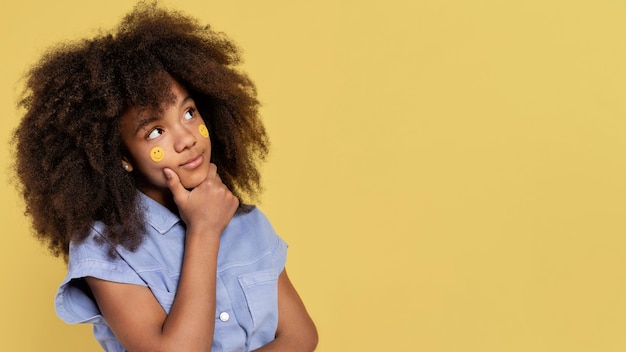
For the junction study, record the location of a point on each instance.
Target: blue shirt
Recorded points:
(250, 259)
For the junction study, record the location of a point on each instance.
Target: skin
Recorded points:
(177, 133)
(187, 183)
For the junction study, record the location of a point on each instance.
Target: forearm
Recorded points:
(190, 323)
(133, 313)
(296, 331)
(139, 321)
(291, 344)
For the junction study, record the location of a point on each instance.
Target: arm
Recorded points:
(296, 331)
(133, 313)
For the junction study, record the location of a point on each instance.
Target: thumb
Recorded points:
(173, 183)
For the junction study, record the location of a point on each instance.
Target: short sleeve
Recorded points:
(279, 254)
(275, 243)
(73, 301)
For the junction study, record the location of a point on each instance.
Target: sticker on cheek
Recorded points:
(157, 154)
(203, 131)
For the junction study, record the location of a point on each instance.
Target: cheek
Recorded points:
(157, 154)
(204, 132)
(150, 163)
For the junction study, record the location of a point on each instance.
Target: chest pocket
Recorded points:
(261, 291)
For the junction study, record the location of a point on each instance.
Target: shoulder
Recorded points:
(254, 219)
(252, 226)
(93, 247)
(91, 257)
(250, 237)
(95, 256)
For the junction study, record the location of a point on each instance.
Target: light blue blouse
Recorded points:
(251, 256)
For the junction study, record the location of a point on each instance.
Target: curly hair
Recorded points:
(68, 148)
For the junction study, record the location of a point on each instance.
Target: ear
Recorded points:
(126, 165)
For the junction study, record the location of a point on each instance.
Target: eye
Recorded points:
(189, 114)
(154, 133)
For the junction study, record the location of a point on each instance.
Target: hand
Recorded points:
(207, 207)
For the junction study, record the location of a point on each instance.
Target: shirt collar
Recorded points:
(158, 216)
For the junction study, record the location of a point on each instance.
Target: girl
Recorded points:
(136, 154)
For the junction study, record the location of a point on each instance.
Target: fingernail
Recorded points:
(167, 173)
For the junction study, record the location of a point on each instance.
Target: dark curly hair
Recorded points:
(68, 148)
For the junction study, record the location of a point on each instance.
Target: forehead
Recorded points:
(134, 115)
(133, 118)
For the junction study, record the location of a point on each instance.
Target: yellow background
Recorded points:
(449, 174)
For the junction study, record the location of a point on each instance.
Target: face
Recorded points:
(177, 139)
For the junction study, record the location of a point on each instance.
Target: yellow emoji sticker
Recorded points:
(203, 131)
(157, 154)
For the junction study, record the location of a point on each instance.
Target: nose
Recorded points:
(183, 138)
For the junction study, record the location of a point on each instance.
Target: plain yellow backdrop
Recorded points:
(449, 174)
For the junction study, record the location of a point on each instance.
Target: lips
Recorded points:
(193, 162)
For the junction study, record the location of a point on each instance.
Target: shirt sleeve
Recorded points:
(276, 244)
(280, 254)
(73, 301)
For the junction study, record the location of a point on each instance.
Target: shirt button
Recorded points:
(224, 316)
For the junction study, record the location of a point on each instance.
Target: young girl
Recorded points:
(135, 155)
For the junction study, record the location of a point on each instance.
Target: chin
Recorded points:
(189, 185)
(192, 182)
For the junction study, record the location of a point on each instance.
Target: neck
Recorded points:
(162, 196)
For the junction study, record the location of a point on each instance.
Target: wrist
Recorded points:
(203, 236)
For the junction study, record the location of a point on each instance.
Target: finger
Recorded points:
(173, 183)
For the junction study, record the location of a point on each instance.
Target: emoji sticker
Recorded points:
(157, 154)
(203, 131)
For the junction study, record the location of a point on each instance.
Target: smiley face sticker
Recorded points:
(157, 154)
(203, 131)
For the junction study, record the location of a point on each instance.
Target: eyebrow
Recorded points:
(184, 101)
(145, 122)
